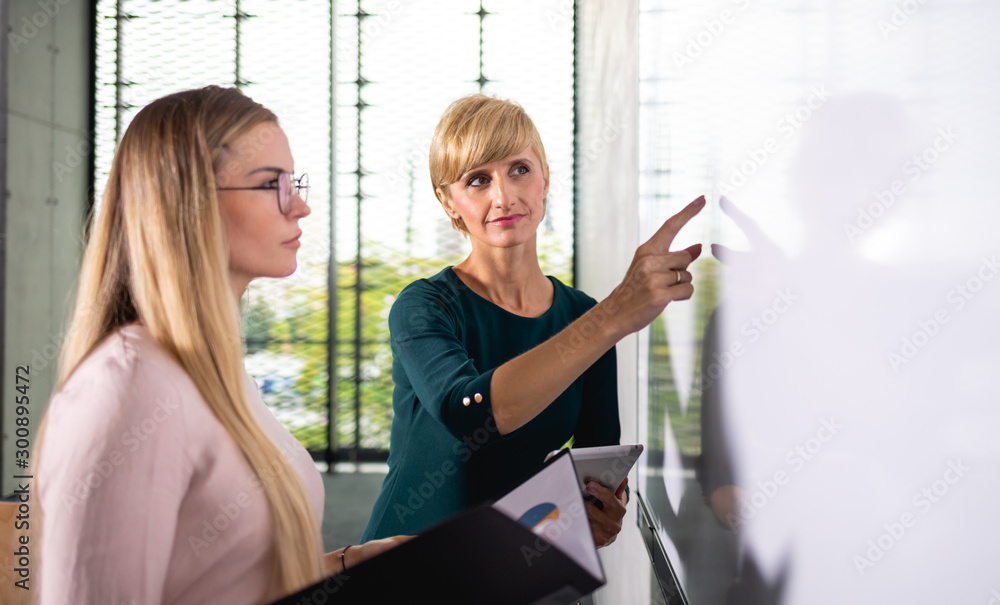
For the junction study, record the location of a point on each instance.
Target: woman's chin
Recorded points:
(508, 239)
(283, 270)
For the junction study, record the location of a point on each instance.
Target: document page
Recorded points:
(551, 505)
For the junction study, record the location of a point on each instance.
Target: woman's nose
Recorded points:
(300, 208)
(499, 192)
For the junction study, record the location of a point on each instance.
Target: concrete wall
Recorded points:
(47, 115)
(607, 228)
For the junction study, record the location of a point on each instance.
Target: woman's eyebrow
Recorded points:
(513, 161)
(268, 168)
(471, 173)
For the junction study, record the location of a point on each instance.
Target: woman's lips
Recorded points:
(294, 242)
(505, 221)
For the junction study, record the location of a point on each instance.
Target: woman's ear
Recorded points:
(449, 208)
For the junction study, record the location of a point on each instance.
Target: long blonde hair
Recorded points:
(158, 240)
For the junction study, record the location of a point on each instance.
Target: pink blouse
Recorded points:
(145, 497)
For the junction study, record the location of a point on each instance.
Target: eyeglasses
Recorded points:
(286, 186)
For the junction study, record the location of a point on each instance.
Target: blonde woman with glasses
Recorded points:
(163, 477)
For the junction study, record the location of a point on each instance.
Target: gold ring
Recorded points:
(678, 277)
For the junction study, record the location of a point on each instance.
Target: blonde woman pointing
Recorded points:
(495, 364)
(163, 477)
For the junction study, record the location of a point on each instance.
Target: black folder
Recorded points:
(481, 556)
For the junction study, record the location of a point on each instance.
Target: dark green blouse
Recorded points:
(446, 456)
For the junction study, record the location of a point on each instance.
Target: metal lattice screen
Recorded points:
(398, 68)
(358, 87)
(147, 49)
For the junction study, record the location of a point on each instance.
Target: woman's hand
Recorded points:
(656, 276)
(606, 523)
(527, 384)
(360, 553)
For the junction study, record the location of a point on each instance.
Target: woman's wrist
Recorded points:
(601, 323)
(345, 564)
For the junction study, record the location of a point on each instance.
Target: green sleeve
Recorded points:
(425, 333)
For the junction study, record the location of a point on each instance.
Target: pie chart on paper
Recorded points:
(538, 517)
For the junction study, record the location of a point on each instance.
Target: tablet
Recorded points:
(608, 465)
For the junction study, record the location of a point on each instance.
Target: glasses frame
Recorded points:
(296, 186)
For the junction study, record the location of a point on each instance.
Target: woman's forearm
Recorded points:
(339, 561)
(526, 385)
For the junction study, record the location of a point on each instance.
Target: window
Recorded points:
(359, 87)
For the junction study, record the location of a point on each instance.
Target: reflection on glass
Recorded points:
(842, 343)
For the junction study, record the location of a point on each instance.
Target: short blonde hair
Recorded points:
(476, 130)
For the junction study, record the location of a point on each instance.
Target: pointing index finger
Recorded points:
(661, 240)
